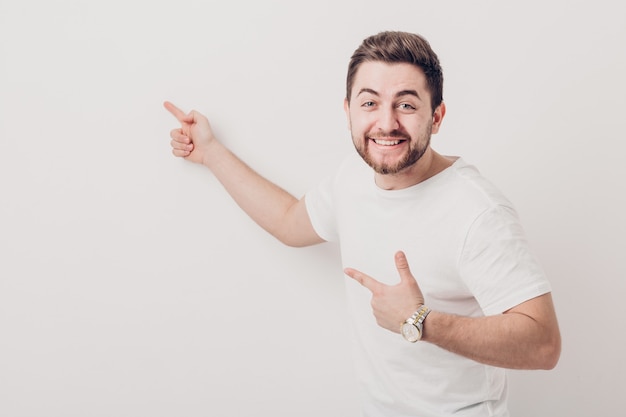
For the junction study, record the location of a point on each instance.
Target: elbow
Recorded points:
(550, 352)
(553, 358)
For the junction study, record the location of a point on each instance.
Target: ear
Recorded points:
(346, 109)
(438, 115)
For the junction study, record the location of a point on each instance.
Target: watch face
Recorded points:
(410, 332)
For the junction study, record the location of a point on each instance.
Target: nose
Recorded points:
(388, 120)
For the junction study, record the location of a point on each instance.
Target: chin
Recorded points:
(388, 169)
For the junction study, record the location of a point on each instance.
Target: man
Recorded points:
(474, 301)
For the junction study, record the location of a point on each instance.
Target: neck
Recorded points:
(429, 165)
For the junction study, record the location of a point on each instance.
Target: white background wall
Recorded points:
(130, 285)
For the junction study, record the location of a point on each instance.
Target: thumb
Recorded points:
(402, 265)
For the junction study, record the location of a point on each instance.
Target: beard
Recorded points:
(417, 149)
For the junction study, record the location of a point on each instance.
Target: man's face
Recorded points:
(390, 116)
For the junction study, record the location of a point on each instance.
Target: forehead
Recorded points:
(388, 79)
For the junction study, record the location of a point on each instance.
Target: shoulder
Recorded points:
(468, 181)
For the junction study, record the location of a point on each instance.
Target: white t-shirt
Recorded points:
(468, 253)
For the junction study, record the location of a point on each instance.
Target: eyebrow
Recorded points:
(398, 94)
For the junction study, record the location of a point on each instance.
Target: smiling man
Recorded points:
(432, 339)
(391, 121)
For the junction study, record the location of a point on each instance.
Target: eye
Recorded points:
(406, 106)
(368, 104)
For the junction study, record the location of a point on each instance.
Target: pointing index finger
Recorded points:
(176, 112)
(363, 279)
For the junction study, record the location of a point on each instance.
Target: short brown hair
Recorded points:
(400, 47)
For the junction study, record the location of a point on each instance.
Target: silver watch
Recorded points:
(412, 328)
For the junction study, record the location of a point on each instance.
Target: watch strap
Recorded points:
(419, 316)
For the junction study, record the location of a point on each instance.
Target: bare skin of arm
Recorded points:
(524, 337)
(275, 210)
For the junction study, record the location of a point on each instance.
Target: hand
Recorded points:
(194, 136)
(392, 304)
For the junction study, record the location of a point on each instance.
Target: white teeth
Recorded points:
(386, 142)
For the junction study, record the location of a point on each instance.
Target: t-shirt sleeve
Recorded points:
(320, 206)
(497, 264)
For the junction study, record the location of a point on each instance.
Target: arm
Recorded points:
(271, 207)
(524, 337)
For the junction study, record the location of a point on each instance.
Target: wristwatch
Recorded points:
(412, 328)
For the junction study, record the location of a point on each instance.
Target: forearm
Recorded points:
(524, 337)
(270, 206)
(511, 340)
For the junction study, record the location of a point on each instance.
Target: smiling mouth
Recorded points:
(384, 142)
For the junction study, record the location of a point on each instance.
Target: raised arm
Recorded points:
(275, 210)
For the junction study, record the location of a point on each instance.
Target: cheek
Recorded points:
(417, 126)
(360, 123)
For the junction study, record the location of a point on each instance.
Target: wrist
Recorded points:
(412, 329)
(212, 153)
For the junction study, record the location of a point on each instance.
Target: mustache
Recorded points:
(394, 134)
